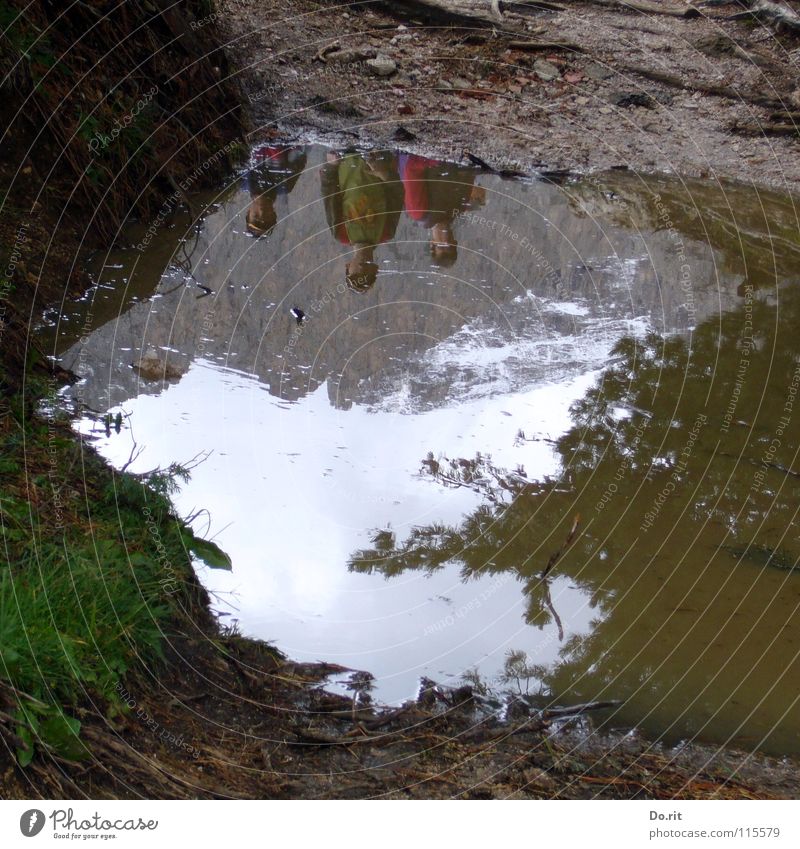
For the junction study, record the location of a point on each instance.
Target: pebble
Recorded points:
(545, 70)
(381, 66)
(598, 72)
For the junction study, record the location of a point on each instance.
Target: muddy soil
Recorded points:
(231, 718)
(628, 88)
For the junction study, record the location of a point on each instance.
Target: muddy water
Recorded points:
(491, 376)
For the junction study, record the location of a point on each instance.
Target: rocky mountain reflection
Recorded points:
(529, 273)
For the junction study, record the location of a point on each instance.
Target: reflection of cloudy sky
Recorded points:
(294, 490)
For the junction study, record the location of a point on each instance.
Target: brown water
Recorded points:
(615, 355)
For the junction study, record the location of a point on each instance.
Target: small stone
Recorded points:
(460, 83)
(598, 72)
(381, 66)
(545, 70)
(627, 99)
(350, 56)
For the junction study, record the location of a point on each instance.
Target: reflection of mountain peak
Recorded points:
(419, 319)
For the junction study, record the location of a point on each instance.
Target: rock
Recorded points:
(381, 66)
(598, 72)
(460, 83)
(401, 134)
(545, 70)
(345, 57)
(335, 107)
(627, 99)
(154, 367)
(718, 46)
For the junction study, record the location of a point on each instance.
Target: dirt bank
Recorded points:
(109, 108)
(703, 96)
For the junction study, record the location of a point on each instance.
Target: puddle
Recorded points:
(504, 326)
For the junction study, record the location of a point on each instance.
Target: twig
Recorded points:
(548, 602)
(555, 557)
(556, 713)
(133, 456)
(326, 48)
(538, 46)
(650, 8)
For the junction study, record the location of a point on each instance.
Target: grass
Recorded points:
(95, 569)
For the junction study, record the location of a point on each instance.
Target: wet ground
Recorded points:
(584, 85)
(467, 392)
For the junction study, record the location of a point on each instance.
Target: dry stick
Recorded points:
(650, 8)
(309, 738)
(779, 16)
(557, 713)
(325, 49)
(467, 12)
(378, 722)
(768, 129)
(703, 87)
(537, 46)
(534, 6)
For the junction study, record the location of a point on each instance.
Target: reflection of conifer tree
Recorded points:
(736, 492)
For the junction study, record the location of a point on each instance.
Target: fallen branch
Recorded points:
(777, 15)
(558, 713)
(703, 87)
(534, 6)
(541, 46)
(766, 129)
(686, 12)
(471, 12)
(384, 719)
(326, 48)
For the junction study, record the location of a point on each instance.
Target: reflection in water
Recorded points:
(435, 193)
(273, 175)
(363, 202)
(682, 462)
(473, 386)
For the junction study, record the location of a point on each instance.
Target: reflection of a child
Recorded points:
(435, 192)
(274, 172)
(363, 199)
